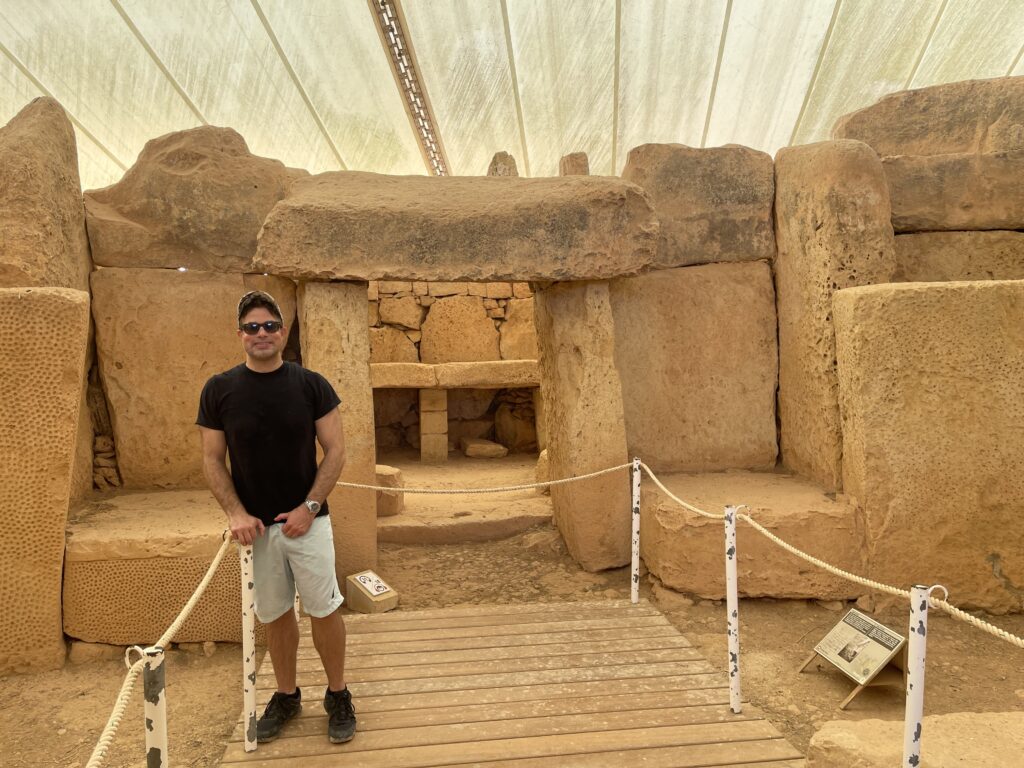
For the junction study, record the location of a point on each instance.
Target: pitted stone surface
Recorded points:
(950, 192)
(584, 421)
(714, 204)
(518, 332)
(335, 343)
(194, 198)
(574, 164)
(969, 116)
(697, 356)
(932, 384)
(945, 256)
(502, 164)
(833, 231)
(42, 219)
(160, 334)
(43, 338)
(390, 345)
(362, 226)
(404, 311)
(457, 330)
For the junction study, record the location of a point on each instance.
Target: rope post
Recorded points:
(634, 587)
(248, 647)
(155, 707)
(916, 645)
(733, 610)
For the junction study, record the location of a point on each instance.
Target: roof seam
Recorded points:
(1016, 60)
(817, 69)
(718, 69)
(615, 87)
(515, 86)
(927, 44)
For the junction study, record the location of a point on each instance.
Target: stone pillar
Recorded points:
(43, 337)
(833, 231)
(574, 164)
(336, 344)
(585, 426)
(433, 426)
(503, 164)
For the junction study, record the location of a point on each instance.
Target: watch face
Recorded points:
(313, 506)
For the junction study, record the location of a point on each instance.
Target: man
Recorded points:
(266, 415)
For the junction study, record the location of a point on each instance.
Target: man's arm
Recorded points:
(331, 437)
(244, 527)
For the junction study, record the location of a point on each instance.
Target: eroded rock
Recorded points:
(458, 330)
(945, 256)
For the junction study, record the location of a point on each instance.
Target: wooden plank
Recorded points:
(745, 736)
(402, 623)
(508, 609)
(776, 753)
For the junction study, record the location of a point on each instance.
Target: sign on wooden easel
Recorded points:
(863, 650)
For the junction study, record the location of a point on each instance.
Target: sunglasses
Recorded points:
(251, 329)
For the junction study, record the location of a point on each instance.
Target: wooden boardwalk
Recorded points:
(558, 685)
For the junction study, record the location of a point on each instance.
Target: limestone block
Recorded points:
(389, 503)
(498, 290)
(390, 345)
(420, 288)
(153, 415)
(543, 472)
(353, 225)
(470, 428)
(833, 231)
(585, 429)
(684, 550)
(433, 400)
(405, 312)
(697, 356)
(502, 164)
(84, 653)
(945, 256)
(433, 449)
(714, 204)
(932, 384)
(373, 317)
(518, 333)
(476, 448)
(493, 374)
(434, 423)
(386, 287)
(335, 343)
(541, 418)
(946, 192)
(194, 198)
(373, 291)
(968, 116)
(521, 290)
(514, 428)
(457, 329)
(438, 290)
(574, 164)
(42, 221)
(43, 337)
(469, 403)
(949, 741)
(391, 406)
(413, 375)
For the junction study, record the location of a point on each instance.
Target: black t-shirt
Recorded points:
(268, 424)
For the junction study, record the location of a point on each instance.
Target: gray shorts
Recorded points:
(281, 565)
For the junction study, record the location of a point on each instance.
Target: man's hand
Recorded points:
(245, 528)
(296, 522)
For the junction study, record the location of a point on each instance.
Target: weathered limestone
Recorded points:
(389, 503)
(390, 345)
(502, 164)
(543, 473)
(968, 191)
(404, 311)
(402, 375)
(194, 198)
(684, 550)
(457, 330)
(153, 375)
(42, 221)
(514, 428)
(433, 426)
(518, 333)
(492, 374)
(932, 383)
(833, 232)
(969, 116)
(714, 204)
(574, 164)
(43, 337)
(945, 256)
(476, 448)
(585, 429)
(949, 741)
(697, 356)
(335, 343)
(364, 226)
(469, 403)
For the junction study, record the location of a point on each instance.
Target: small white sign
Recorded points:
(373, 583)
(859, 646)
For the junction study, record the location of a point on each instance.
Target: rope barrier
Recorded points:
(172, 630)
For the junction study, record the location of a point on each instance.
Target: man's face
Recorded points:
(263, 345)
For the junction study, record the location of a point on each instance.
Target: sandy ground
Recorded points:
(55, 718)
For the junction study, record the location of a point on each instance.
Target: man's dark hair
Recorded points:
(254, 299)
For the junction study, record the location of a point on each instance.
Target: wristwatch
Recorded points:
(312, 506)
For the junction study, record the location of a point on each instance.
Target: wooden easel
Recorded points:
(893, 673)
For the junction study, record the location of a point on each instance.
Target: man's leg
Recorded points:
(283, 643)
(329, 641)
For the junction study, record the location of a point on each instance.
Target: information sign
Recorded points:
(859, 646)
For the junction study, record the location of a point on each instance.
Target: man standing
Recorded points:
(266, 415)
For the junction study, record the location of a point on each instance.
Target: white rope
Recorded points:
(952, 610)
(501, 489)
(125, 694)
(172, 630)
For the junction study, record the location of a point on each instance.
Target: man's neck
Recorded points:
(264, 366)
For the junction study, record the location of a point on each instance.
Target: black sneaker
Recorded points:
(342, 724)
(281, 708)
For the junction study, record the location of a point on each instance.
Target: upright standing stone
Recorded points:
(433, 426)
(502, 164)
(833, 231)
(43, 338)
(574, 164)
(585, 426)
(336, 344)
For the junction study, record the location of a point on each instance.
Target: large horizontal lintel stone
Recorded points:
(402, 375)
(490, 374)
(950, 192)
(363, 226)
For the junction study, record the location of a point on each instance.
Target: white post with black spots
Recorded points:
(248, 647)
(155, 706)
(916, 643)
(732, 606)
(634, 587)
